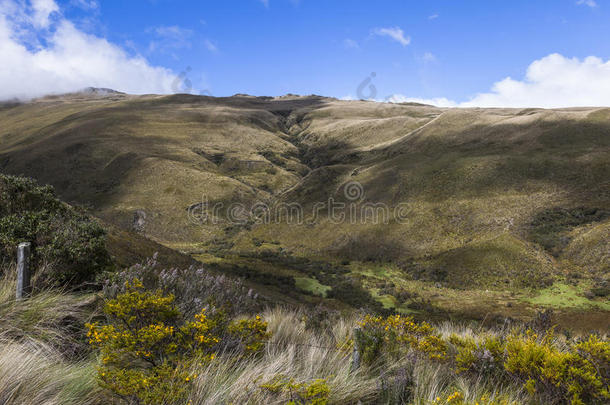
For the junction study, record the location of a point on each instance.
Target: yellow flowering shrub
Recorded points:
(396, 334)
(577, 373)
(483, 356)
(577, 376)
(457, 398)
(146, 348)
(251, 332)
(316, 392)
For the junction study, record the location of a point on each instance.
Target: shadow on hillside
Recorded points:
(87, 154)
(484, 160)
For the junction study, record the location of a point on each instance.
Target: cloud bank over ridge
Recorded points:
(553, 81)
(43, 53)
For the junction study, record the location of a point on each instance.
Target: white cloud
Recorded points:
(350, 43)
(265, 3)
(42, 12)
(439, 101)
(590, 3)
(210, 46)
(86, 4)
(550, 82)
(69, 60)
(553, 81)
(433, 17)
(395, 33)
(172, 31)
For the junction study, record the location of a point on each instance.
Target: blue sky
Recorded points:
(443, 51)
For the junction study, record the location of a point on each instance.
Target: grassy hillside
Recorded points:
(500, 204)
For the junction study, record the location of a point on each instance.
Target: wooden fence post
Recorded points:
(23, 270)
(356, 353)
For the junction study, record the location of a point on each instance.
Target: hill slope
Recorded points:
(504, 200)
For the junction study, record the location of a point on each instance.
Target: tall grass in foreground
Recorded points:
(43, 360)
(293, 352)
(38, 346)
(306, 355)
(37, 374)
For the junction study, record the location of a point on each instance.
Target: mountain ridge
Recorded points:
(474, 180)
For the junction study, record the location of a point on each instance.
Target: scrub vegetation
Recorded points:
(493, 289)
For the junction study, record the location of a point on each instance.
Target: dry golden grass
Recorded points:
(34, 374)
(39, 343)
(473, 179)
(306, 355)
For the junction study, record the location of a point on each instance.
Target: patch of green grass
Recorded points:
(562, 295)
(387, 300)
(311, 285)
(384, 271)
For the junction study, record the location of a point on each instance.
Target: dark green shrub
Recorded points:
(550, 227)
(69, 243)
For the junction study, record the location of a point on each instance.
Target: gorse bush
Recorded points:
(395, 335)
(483, 356)
(457, 398)
(69, 243)
(576, 374)
(570, 372)
(316, 392)
(147, 348)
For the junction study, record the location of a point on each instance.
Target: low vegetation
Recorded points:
(550, 228)
(68, 245)
(141, 345)
(148, 349)
(507, 214)
(44, 357)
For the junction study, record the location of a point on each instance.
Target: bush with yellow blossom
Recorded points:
(457, 398)
(315, 392)
(578, 375)
(483, 356)
(574, 373)
(147, 349)
(396, 334)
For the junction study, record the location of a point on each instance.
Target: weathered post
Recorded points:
(356, 353)
(23, 270)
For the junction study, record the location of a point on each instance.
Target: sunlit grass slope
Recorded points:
(506, 200)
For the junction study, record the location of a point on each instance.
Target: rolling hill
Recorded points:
(479, 211)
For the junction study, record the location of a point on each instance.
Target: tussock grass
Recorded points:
(32, 373)
(293, 352)
(305, 355)
(48, 316)
(34, 370)
(39, 341)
